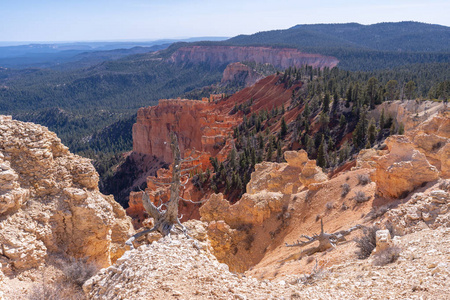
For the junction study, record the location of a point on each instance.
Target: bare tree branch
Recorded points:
(190, 159)
(326, 240)
(191, 168)
(195, 202)
(157, 182)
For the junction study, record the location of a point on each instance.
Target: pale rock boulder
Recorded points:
(365, 158)
(432, 138)
(430, 209)
(383, 240)
(50, 202)
(11, 195)
(274, 177)
(287, 178)
(312, 176)
(296, 159)
(402, 170)
(251, 209)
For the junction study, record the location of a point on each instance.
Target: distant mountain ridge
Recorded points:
(80, 54)
(401, 36)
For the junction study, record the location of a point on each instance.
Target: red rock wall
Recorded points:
(198, 127)
(238, 71)
(279, 57)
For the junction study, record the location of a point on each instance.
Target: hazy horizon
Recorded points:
(51, 21)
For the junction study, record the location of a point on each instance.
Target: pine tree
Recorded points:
(372, 86)
(321, 159)
(334, 107)
(382, 120)
(371, 132)
(326, 103)
(269, 151)
(279, 152)
(359, 135)
(284, 128)
(342, 121)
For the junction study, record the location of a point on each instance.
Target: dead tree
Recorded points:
(326, 240)
(165, 216)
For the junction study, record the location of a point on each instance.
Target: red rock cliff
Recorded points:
(198, 127)
(279, 57)
(240, 73)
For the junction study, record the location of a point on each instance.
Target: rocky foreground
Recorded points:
(180, 269)
(50, 205)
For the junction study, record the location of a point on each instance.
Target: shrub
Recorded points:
(363, 179)
(329, 205)
(78, 271)
(387, 256)
(56, 291)
(367, 242)
(377, 212)
(360, 197)
(345, 189)
(344, 206)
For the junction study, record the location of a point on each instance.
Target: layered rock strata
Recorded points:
(278, 57)
(50, 202)
(197, 125)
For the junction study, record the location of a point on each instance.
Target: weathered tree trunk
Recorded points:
(166, 221)
(326, 240)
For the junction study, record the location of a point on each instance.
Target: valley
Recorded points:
(316, 165)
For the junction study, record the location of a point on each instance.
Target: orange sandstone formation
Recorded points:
(50, 203)
(198, 126)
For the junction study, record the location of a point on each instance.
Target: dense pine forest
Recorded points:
(332, 121)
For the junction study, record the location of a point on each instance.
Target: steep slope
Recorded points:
(204, 126)
(280, 208)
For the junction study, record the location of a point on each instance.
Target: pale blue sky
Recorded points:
(86, 20)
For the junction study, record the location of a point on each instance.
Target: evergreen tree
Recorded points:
(279, 152)
(391, 90)
(349, 96)
(269, 151)
(382, 120)
(321, 153)
(284, 128)
(359, 135)
(410, 90)
(334, 107)
(342, 121)
(371, 132)
(326, 103)
(372, 91)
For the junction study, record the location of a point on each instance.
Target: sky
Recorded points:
(104, 20)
